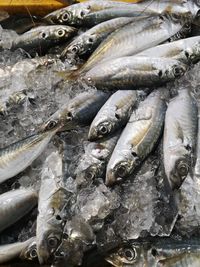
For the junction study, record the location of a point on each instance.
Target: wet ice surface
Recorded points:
(135, 208)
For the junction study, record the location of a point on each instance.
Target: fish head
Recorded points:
(120, 167)
(173, 70)
(99, 129)
(47, 243)
(56, 33)
(193, 53)
(30, 252)
(178, 166)
(62, 16)
(130, 256)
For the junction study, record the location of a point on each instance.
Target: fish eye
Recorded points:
(182, 169)
(187, 54)
(51, 124)
(82, 14)
(90, 40)
(33, 253)
(43, 35)
(130, 254)
(103, 129)
(52, 242)
(197, 2)
(90, 175)
(121, 170)
(175, 17)
(61, 33)
(178, 71)
(65, 17)
(74, 49)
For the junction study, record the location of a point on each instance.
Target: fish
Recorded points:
(138, 138)
(51, 207)
(186, 50)
(133, 72)
(113, 115)
(75, 14)
(15, 204)
(17, 156)
(43, 37)
(89, 40)
(93, 162)
(80, 110)
(12, 251)
(134, 38)
(156, 253)
(197, 163)
(179, 139)
(29, 252)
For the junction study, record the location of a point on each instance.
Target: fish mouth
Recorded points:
(43, 255)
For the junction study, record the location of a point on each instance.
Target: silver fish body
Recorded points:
(52, 201)
(75, 14)
(138, 138)
(197, 163)
(14, 205)
(78, 111)
(129, 73)
(18, 156)
(156, 253)
(43, 37)
(12, 251)
(179, 137)
(90, 39)
(134, 38)
(113, 115)
(93, 162)
(185, 50)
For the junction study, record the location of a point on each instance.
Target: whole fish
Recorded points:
(18, 156)
(93, 162)
(156, 253)
(78, 111)
(185, 50)
(52, 201)
(129, 73)
(12, 251)
(197, 163)
(138, 138)
(135, 37)
(75, 14)
(89, 40)
(43, 37)
(113, 115)
(29, 252)
(179, 137)
(14, 205)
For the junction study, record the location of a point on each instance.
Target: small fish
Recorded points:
(43, 37)
(93, 162)
(156, 253)
(179, 137)
(14, 205)
(78, 111)
(52, 201)
(113, 115)
(75, 14)
(197, 163)
(185, 50)
(30, 251)
(18, 156)
(134, 38)
(89, 40)
(138, 138)
(12, 251)
(129, 73)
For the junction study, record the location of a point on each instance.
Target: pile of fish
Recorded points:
(103, 99)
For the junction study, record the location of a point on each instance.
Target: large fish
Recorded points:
(78, 111)
(52, 201)
(14, 205)
(113, 115)
(185, 50)
(133, 72)
(43, 37)
(156, 253)
(89, 40)
(18, 156)
(135, 37)
(179, 137)
(138, 138)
